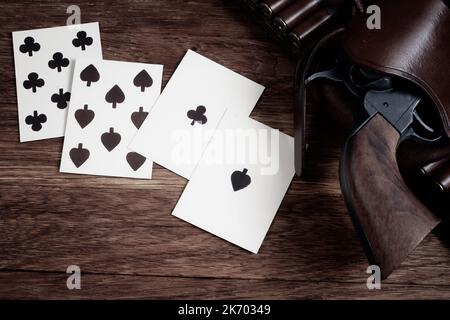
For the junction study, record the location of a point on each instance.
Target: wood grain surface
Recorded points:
(120, 231)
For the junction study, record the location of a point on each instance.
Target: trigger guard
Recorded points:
(410, 134)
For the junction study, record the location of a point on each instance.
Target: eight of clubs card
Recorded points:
(44, 60)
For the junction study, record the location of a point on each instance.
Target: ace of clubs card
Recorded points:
(189, 110)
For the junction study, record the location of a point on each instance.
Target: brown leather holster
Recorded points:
(413, 45)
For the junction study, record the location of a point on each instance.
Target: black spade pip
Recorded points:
(240, 180)
(115, 96)
(84, 116)
(79, 155)
(135, 160)
(143, 80)
(110, 139)
(138, 117)
(89, 74)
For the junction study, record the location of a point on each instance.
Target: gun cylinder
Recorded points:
(311, 27)
(271, 7)
(295, 13)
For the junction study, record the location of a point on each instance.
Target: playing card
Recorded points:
(44, 61)
(110, 101)
(240, 181)
(189, 109)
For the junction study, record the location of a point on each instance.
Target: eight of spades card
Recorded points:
(44, 60)
(240, 181)
(110, 100)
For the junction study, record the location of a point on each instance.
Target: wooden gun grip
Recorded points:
(386, 214)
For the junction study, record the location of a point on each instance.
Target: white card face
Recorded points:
(44, 60)
(110, 101)
(189, 109)
(238, 185)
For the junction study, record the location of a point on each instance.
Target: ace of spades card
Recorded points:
(44, 60)
(110, 101)
(240, 181)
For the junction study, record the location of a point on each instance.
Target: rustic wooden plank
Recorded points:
(134, 233)
(35, 285)
(120, 231)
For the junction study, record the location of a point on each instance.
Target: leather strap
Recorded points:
(304, 67)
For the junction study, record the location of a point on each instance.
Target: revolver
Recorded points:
(390, 220)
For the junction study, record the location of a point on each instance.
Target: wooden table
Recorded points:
(120, 231)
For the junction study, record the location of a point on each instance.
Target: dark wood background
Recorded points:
(120, 231)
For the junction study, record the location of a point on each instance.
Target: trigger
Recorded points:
(422, 122)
